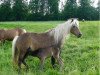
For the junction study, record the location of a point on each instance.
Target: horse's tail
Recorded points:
(14, 50)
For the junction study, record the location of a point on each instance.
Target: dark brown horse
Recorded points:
(39, 44)
(11, 33)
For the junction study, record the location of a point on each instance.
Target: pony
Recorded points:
(37, 44)
(10, 34)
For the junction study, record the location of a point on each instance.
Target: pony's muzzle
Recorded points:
(79, 35)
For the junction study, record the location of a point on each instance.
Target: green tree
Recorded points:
(85, 9)
(34, 10)
(19, 10)
(70, 9)
(5, 10)
(94, 15)
(98, 10)
(53, 9)
(43, 9)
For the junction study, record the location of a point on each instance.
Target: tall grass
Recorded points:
(80, 55)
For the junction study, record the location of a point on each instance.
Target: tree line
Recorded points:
(34, 10)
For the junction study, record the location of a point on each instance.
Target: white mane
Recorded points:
(62, 30)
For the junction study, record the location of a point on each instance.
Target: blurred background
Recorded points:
(43, 10)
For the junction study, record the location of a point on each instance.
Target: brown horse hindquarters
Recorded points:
(10, 34)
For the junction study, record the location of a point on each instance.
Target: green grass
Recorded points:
(80, 55)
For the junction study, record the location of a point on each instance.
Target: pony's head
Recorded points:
(75, 27)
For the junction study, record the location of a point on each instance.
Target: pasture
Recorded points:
(81, 56)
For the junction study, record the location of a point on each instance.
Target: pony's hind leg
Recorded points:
(19, 66)
(23, 61)
(20, 60)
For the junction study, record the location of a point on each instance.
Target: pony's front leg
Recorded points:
(56, 55)
(42, 63)
(53, 61)
(60, 62)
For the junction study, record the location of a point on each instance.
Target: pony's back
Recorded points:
(34, 41)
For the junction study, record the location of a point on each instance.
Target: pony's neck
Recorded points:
(61, 31)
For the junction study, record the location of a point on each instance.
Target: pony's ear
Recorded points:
(72, 20)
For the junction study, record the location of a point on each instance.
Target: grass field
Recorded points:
(81, 56)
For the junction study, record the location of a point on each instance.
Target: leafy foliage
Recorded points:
(70, 9)
(5, 10)
(19, 10)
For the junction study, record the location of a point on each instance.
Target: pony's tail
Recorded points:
(14, 50)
